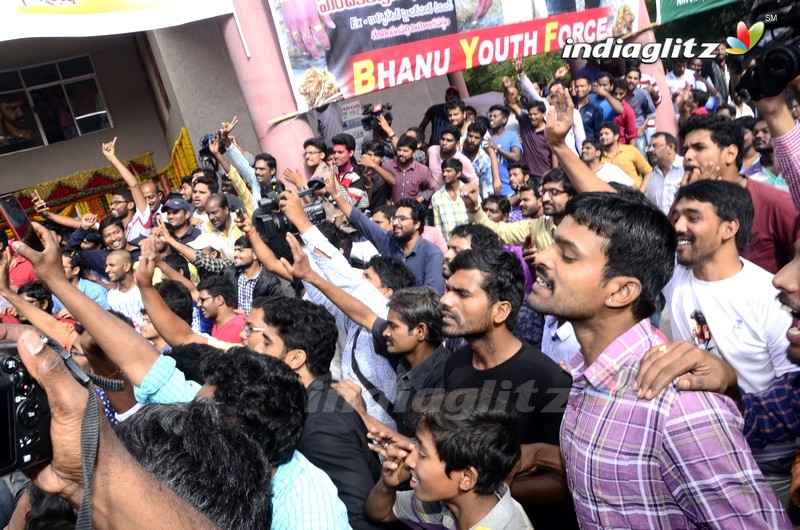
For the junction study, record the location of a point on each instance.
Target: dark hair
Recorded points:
(388, 210)
(319, 144)
(538, 105)
(191, 357)
(38, 292)
(503, 279)
(188, 179)
(264, 393)
(303, 326)
(729, 108)
(392, 272)
(346, 140)
(122, 316)
(419, 211)
(671, 140)
(125, 193)
(197, 450)
(3, 239)
(373, 146)
(483, 120)
(453, 163)
(608, 75)
(620, 83)
(108, 221)
(746, 122)
(501, 201)
(610, 125)
(477, 127)
(557, 175)
(179, 263)
(480, 237)
(407, 141)
(48, 511)
(452, 130)
(177, 297)
(213, 186)
(76, 259)
(94, 237)
(633, 69)
(700, 97)
(469, 108)
(419, 132)
(217, 285)
(472, 428)
(268, 158)
(501, 108)
(589, 81)
(731, 202)
(345, 243)
(724, 132)
(419, 305)
(594, 142)
(220, 198)
(641, 241)
(333, 235)
(243, 242)
(454, 103)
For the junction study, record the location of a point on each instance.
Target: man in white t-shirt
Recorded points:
(124, 295)
(592, 153)
(727, 305)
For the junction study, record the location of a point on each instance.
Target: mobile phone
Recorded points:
(239, 215)
(15, 216)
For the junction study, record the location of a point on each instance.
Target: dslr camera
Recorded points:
(270, 223)
(371, 113)
(24, 414)
(778, 60)
(207, 158)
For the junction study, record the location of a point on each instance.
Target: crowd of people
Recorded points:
(487, 326)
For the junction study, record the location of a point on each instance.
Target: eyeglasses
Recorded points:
(400, 218)
(311, 153)
(118, 202)
(248, 330)
(553, 192)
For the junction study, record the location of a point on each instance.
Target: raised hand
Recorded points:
(559, 118)
(469, 194)
(562, 72)
(293, 176)
(483, 7)
(88, 221)
(109, 149)
(393, 472)
(301, 268)
(46, 263)
(517, 62)
(39, 204)
(350, 392)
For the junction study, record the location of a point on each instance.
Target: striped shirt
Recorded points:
(448, 213)
(787, 160)
(411, 182)
(678, 461)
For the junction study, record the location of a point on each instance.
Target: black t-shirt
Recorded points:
(530, 381)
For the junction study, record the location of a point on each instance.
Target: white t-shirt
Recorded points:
(129, 304)
(608, 172)
(746, 325)
(139, 226)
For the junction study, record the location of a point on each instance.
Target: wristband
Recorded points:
(251, 232)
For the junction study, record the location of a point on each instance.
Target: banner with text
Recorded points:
(668, 10)
(340, 49)
(87, 18)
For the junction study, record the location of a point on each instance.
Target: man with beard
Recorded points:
(762, 143)
(202, 188)
(18, 129)
(535, 153)
(713, 150)
(484, 295)
(592, 154)
(751, 161)
(556, 191)
(662, 153)
(505, 143)
(408, 178)
(679, 461)
(626, 157)
(216, 297)
(249, 277)
(113, 232)
(483, 162)
(591, 114)
(641, 102)
(220, 223)
(404, 242)
(124, 295)
(447, 205)
(454, 110)
(448, 148)
(129, 205)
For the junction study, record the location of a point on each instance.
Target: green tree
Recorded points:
(490, 78)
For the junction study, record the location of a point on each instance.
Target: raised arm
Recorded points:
(109, 151)
(262, 251)
(127, 349)
(559, 122)
(41, 209)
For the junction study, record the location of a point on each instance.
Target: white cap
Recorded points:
(206, 240)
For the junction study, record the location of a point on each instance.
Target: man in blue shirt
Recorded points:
(73, 267)
(505, 143)
(404, 242)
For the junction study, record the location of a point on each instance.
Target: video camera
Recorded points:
(207, 158)
(371, 113)
(270, 223)
(24, 414)
(779, 49)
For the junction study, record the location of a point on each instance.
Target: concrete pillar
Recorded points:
(265, 84)
(456, 79)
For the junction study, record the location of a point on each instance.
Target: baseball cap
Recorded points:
(204, 241)
(177, 204)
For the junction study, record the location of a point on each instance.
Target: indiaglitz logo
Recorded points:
(745, 38)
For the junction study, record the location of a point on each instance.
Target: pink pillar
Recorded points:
(665, 114)
(456, 79)
(265, 85)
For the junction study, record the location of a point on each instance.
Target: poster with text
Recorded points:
(340, 49)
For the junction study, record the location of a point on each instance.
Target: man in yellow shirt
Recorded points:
(626, 157)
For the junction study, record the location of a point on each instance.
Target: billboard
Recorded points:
(340, 49)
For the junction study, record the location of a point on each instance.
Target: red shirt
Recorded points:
(776, 226)
(21, 272)
(230, 331)
(627, 124)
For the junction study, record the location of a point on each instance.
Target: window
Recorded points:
(48, 103)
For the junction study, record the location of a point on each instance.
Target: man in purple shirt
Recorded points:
(448, 148)
(679, 461)
(408, 178)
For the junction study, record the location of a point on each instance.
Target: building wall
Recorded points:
(130, 105)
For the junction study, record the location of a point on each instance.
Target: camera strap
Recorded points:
(377, 394)
(90, 427)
